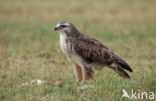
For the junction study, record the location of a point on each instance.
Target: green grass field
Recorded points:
(29, 48)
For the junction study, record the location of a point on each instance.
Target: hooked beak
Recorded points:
(56, 28)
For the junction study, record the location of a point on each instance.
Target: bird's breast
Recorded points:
(65, 46)
(68, 49)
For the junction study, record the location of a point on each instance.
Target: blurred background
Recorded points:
(29, 47)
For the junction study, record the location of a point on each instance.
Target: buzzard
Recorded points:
(88, 54)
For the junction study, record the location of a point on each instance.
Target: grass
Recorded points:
(29, 47)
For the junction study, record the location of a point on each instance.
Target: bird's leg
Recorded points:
(78, 72)
(90, 73)
(84, 73)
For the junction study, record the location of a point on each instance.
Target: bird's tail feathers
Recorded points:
(122, 63)
(118, 69)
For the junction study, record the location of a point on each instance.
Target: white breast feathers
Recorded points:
(63, 44)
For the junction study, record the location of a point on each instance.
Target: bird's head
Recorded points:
(64, 27)
(67, 28)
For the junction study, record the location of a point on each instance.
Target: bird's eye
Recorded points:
(63, 26)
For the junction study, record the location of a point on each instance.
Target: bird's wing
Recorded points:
(92, 50)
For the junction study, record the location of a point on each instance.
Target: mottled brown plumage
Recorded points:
(88, 53)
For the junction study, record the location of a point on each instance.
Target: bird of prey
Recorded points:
(88, 54)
